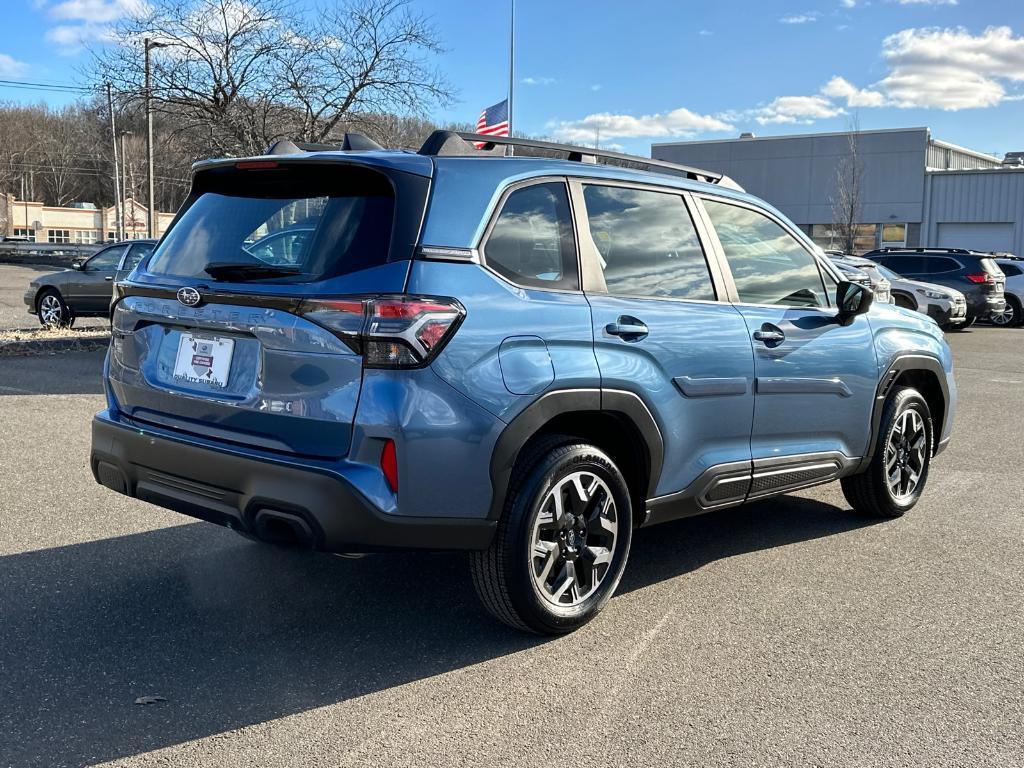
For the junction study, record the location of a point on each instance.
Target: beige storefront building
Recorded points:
(82, 225)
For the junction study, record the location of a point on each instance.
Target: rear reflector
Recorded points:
(389, 465)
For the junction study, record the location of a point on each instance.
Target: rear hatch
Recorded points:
(995, 282)
(221, 334)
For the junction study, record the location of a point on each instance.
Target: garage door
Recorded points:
(977, 237)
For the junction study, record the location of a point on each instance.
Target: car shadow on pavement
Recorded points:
(233, 633)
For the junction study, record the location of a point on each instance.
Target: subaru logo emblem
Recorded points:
(189, 297)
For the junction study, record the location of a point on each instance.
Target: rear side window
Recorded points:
(769, 265)
(938, 265)
(647, 243)
(136, 254)
(532, 240)
(307, 223)
(1010, 270)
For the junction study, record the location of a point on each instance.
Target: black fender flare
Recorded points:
(527, 423)
(901, 364)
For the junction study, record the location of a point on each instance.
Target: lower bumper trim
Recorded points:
(271, 500)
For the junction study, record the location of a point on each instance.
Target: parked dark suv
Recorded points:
(976, 275)
(522, 357)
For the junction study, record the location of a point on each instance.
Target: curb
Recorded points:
(52, 346)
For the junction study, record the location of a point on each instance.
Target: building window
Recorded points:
(86, 236)
(865, 237)
(110, 235)
(23, 232)
(58, 235)
(894, 235)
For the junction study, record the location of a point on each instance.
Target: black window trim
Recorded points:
(101, 251)
(480, 250)
(824, 268)
(592, 275)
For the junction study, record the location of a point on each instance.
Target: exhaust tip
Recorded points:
(287, 528)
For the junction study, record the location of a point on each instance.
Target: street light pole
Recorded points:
(151, 212)
(117, 184)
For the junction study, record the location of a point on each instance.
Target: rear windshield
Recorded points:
(305, 223)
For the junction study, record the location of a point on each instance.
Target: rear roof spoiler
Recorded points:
(350, 142)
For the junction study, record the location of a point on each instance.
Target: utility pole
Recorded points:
(124, 186)
(118, 229)
(151, 205)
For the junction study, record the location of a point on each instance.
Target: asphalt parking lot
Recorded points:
(792, 632)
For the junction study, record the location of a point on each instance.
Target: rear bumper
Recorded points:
(272, 500)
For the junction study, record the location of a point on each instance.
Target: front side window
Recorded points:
(647, 244)
(106, 260)
(769, 265)
(532, 241)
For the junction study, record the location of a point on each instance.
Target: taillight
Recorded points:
(389, 331)
(978, 277)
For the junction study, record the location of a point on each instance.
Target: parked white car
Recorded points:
(877, 282)
(945, 305)
(1013, 268)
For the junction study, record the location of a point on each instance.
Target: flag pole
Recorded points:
(511, 69)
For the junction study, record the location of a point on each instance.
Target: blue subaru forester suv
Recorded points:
(525, 357)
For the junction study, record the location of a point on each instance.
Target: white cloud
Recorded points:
(840, 88)
(596, 87)
(951, 69)
(11, 67)
(538, 80)
(679, 122)
(848, 3)
(800, 18)
(705, 33)
(87, 21)
(793, 109)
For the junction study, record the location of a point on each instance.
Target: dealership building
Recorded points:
(78, 223)
(916, 191)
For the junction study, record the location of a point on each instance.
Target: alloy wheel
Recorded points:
(1005, 317)
(574, 537)
(50, 310)
(906, 454)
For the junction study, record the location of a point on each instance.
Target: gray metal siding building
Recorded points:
(916, 190)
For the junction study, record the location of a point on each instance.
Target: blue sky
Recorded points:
(657, 70)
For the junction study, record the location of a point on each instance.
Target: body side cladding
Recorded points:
(566, 402)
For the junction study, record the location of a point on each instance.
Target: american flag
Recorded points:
(493, 121)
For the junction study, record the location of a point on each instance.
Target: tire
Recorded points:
(53, 311)
(548, 575)
(1010, 317)
(905, 443)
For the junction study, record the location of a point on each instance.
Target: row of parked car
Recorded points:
(953, 286)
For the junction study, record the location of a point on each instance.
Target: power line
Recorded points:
(54, 87)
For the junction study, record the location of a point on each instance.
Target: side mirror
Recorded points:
(853, 299)
(76, 265)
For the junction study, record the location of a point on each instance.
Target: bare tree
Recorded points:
(846, 197)
(237, 74)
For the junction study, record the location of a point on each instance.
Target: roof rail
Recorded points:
(458, 143)
(350, 142)
(898, 249)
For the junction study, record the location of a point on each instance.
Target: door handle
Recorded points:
(627, 328)
(109, 278)
(769, 335)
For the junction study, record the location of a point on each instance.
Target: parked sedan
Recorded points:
(84, 290)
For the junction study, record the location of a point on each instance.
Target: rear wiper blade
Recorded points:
(226, 270)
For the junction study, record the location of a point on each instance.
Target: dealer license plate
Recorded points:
(204, 360)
